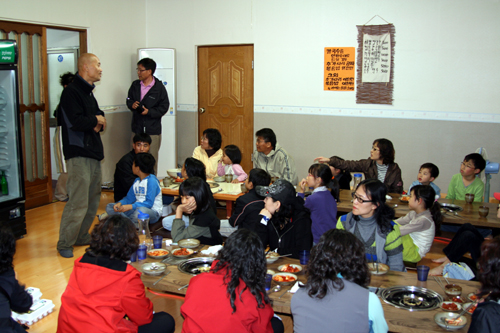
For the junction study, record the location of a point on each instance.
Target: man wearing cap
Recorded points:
(288, 221)
(272, 158)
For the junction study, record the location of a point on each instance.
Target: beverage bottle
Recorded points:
(3, 184)
(357, 180)
(144, 235)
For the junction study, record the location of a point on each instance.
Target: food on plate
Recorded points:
(271, 255)
(457, 299)
(472, 296)
(450, 306)
(290, 268)
(381, 267)
(179, 180)
(284, 278)
(182, 252)
(204, 269)
(471, 308)
(454, 322)
(158, 253)
(405, 198)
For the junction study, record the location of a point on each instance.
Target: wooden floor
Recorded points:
(38, 265)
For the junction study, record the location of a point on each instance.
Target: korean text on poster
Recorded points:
(376, 58)
(339, 69)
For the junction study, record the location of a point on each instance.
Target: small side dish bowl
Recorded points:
(182, 252)
(174, 173)
(451, 306)
(189, 243)
(443, 319)
(290, 268)
(154, 268)
(271, 257)
(382, 268)
(284, 279)
(158, 254)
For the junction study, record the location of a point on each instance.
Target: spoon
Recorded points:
(275, 289)
(154, 284)
(395, 206)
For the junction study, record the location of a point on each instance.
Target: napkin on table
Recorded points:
(212, 249)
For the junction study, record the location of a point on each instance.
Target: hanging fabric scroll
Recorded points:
(375, 64)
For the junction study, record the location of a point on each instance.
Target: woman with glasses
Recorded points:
(379, 166)
(371, 221)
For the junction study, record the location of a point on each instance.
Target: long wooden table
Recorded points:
(399, 320)
(228, 198)
(469, 214)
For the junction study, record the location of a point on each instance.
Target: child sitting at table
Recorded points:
(322, 203)
(467, 181)
(144, 195)
(342, 176)
(246, 214)
(230, 164)
(12, 294)
(418, 227)
(427, 173)
(203, 225)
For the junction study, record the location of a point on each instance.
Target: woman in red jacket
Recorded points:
(104, 293)
(232, 296)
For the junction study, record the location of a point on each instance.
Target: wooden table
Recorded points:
(228, 198)
(468, 215)
(399, 320)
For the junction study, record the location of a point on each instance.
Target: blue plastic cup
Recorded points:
(304, 257)
(422, 272)
(142, 252)
(157, 240)
(269, 279)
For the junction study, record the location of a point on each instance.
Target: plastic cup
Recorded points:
(133, 257)
(269, 278)
(229, 178)
(141, 252)
(483, 211)
(422, 272)
(304, 257)
(157, 240)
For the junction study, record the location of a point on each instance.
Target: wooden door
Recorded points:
(225, 95)
(33, 112)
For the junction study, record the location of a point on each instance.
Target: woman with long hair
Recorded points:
(371, 221)
(379, 166)
(106, 294)
(486, 317)
(232, 296)
(288, 221)
(336, 294)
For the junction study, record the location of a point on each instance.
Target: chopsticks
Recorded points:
(439, 282)
(154, 284)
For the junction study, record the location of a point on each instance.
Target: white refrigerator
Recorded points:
(165, 71)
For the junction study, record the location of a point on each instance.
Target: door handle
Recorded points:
(202, 110)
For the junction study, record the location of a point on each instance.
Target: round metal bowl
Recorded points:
(189, 243)
(158, 253)
(411, 298)
(154, 268)
(440, 317)
(282, 268)
(196, 266)
(451, 207)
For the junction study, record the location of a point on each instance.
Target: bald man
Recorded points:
(82, 121)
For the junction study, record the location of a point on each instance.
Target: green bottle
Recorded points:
(3, 184)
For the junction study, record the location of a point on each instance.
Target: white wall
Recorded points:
(446, 75)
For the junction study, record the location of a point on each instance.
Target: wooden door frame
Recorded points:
(40, 186)
(199, 130)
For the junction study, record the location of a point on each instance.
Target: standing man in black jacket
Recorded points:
(82, 122)
(148, 101)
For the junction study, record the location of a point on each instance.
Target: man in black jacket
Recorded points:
(148, 101)
(82, 122)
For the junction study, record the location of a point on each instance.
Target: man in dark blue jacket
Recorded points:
(82, 122)
(148, 101)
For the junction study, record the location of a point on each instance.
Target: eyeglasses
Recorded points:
(468, 166)
(141, 70)
(357, 197)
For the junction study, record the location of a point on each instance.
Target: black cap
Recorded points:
(281, 190)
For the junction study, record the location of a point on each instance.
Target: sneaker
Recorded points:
(66, 253)
(102, 216)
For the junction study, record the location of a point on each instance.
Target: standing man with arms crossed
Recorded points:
(82, 122)
(148, 101)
